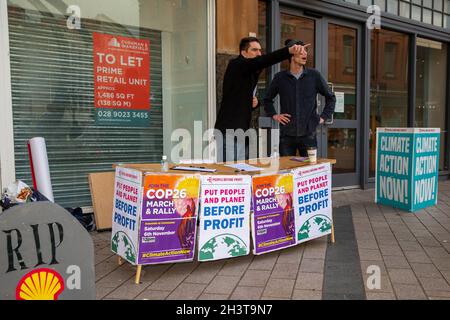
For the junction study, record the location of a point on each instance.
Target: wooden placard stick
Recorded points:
(332, 233)
(138, 274)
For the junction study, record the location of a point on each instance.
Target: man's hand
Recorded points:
(296, 48)
(255, 102)
(283, 118)
(321, 120)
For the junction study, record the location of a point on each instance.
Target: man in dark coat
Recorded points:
(239, 94)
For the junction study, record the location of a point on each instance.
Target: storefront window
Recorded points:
(431, 84)
(262, 36)
(381, 4)
(263, 77)
(57, 78)
(389, 84)
(426, 15)
(342, 69)
(416, 13)
(405, 9)
(428, 11)
(392, 6)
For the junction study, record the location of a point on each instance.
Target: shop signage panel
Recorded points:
(121, 80)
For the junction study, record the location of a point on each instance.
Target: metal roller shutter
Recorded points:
(53, 97)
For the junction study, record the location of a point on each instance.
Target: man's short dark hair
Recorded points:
(290, 42)
(245, 43)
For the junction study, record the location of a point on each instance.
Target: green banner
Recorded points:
(407, 167)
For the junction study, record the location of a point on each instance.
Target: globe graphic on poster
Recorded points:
(223, 246)
(122, 245)
(314, 226)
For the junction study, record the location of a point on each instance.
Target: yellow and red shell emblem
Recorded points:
(40, 284)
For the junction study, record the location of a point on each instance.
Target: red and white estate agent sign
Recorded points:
(121, 80)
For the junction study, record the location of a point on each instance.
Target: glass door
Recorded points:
(335, 52)
(341, 65)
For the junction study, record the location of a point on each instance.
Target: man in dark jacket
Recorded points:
(298, 118)
(239, 94)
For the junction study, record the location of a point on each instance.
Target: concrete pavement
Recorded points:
(411, 251)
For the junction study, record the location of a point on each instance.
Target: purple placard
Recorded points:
(169, 218)
(273, 223)
(168, 240)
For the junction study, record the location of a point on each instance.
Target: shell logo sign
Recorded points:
(45, 253)
(40, 284)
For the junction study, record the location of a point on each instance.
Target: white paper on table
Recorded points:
(193, 168)
(244, 167)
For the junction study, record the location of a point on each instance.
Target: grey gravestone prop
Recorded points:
(44, 236)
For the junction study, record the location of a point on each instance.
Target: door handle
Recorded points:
(331, 85)
(330, 121)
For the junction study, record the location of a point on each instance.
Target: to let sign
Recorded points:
(121, 80)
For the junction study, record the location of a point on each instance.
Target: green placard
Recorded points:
(407, 167)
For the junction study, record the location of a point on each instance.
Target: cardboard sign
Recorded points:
(121, 80)
(273, 221)
(126, 210)
(101, 185)
(168, 227)
(312, 202)
(224, 217)
(45, 254)
(407, 167)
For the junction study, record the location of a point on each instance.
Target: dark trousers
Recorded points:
(231, 149)
(289, 145)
